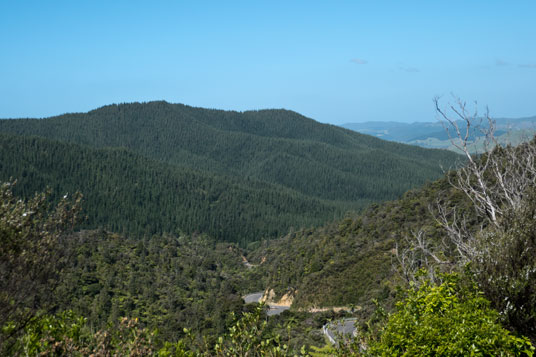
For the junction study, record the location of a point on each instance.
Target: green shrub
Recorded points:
(67, 334)
(449, 319)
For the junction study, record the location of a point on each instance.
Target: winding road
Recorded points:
(333, 330)
(254, 297)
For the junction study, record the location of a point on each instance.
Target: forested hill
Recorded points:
(275, 146)
(128, 193)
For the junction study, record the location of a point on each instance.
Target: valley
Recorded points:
(267, 178)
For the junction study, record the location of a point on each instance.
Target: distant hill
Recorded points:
(325, 170)
(433, 135)
(395, 131)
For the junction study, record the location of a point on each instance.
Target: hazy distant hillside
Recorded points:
(433, 135)
(395, 131)
(275, 146)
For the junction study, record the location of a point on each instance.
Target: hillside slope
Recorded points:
(351, 262)
(128, 193)
(275, 146)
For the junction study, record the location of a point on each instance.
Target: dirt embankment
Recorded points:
(269, 298)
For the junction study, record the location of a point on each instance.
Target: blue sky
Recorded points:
(333, 61)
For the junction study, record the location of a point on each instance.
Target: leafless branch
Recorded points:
(495, 181)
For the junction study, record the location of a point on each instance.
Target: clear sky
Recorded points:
(333, 61)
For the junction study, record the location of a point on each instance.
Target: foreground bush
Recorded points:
(448, 319)
(69, 334)
(32, 256)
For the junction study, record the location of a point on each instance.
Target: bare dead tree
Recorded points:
(470, 179)
(459, 234)
(496, 182)
(419, 254)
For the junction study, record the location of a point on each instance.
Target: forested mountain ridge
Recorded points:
(276, 146)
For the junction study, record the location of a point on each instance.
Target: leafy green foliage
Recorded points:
(31, 237)
(51, 334)
(68, 334)
(169, 283)
(246, 338)
(449, 319)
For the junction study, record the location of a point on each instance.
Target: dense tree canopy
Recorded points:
(127, 193)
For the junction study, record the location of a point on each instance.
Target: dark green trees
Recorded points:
(156, 167)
